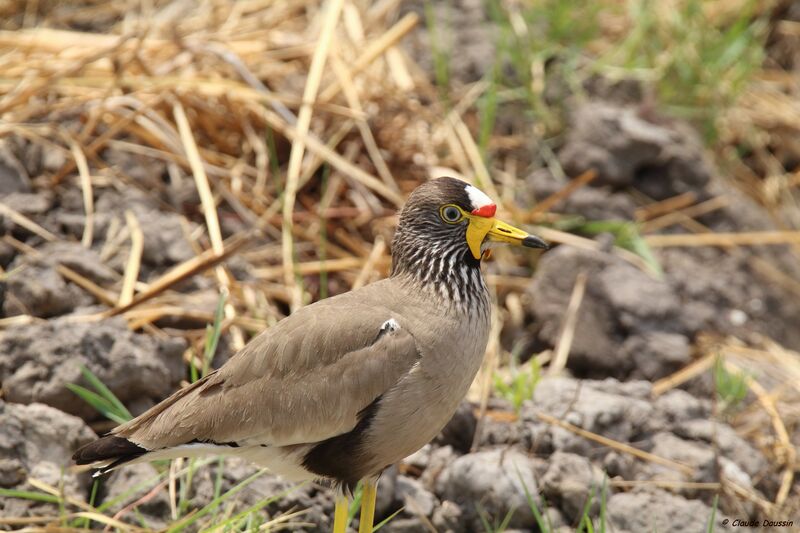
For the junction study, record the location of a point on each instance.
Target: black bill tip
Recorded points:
(532, 241)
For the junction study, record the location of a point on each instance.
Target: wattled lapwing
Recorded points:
(349, 385)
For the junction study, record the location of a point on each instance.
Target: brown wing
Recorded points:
(304, 380)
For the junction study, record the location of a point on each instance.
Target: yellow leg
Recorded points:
(367, 507)
(340, 515)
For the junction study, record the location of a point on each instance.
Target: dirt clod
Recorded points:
(658, 510)
(625, 148)
(39, 359)
(37, 441)
(13, 176)
(621, 304)
(497, 479)
(570, 481)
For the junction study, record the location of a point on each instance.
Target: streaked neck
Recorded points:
(451, 274)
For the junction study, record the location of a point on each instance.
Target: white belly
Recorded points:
(284, 462)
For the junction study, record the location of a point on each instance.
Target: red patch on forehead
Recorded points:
(487, 211)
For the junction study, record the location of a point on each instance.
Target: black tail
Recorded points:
(117, 450)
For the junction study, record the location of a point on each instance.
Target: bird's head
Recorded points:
(446, 223)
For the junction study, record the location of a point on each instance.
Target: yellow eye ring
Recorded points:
(451, 213)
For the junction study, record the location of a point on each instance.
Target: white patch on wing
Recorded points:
(477, 197)
(390, 325)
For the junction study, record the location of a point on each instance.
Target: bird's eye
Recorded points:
(451, 214)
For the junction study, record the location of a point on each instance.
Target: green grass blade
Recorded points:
(487, 114)
(603, 496)
(212, 335)
(639, 246)
(29, 495)
(148, 484)
(507, 519)
(537, 513)
(355, 505)
(484, 519)
(186, 485)
(99, 403)
(83, 523)
(387, 519)
(218, 482)
(253, 508)
(441, 61)
(586, 521)
(105, 392)
(192, 518)
(712, 519)
(193, 374)
(141, 519)
(62, 507)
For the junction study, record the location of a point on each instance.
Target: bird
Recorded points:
(345, 387)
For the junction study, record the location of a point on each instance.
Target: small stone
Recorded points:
(657, 354)
(570, 480)
(38, 290)
(677, 406)
(82, 260)
(12, 472)
(416, 499)
(460, 430)
(637, 296)
(691, 453)
(448, 518)
(737, 317)
(142, 476)
(620, 465)
(30, 204)
(730, 444)
(732, 472)
(387, 491)
(404, 525)
(7, 254)
(438, 461)
(553, 517)
(53, 160)
(420, 458)
(165, 242)
(13, 176)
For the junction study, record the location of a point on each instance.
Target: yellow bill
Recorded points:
(493, 230)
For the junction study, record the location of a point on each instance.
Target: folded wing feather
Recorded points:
(304, 380)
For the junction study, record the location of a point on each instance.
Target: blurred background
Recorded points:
(177, 176)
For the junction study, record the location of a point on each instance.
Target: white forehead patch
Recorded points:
(478, 197)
